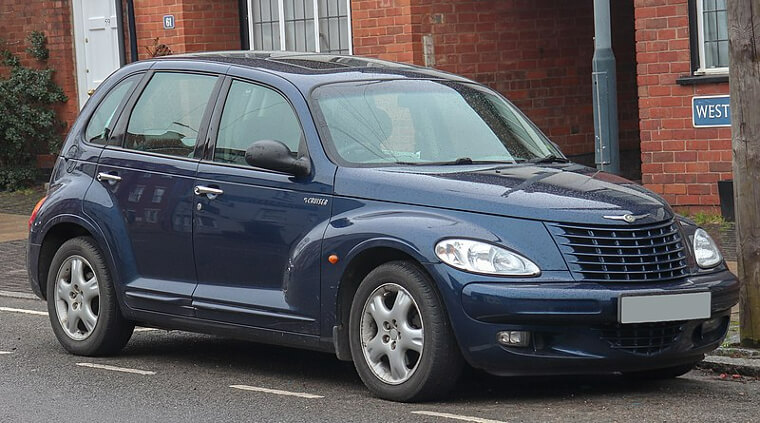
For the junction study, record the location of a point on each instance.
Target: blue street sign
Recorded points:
(711, 111)
(168, 21)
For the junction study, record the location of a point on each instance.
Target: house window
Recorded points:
(300, 25)
(712, 36)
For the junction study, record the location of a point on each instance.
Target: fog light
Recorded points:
(513, 338)
(712, 325)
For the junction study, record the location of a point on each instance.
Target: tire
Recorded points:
(412, 332)
(661, 374)
(81, 300)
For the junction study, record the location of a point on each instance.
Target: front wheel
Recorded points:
(401, 341)
(82, 302)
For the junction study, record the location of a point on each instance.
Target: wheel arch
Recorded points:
(58, 231)
(363, 259)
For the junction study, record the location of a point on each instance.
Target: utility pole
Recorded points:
(744, 76)
(604, 79)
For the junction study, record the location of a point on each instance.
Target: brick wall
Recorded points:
(679, 161)
(537, 52)
(20, 17)
(199, 25)
(387, 29)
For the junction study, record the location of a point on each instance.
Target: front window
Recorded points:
(254, 113)
(368, 123)
(712, 33)
(300, 25)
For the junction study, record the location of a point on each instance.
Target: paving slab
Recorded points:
(13, 275)
(13, 227)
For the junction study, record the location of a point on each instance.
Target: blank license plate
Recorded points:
(663, 308)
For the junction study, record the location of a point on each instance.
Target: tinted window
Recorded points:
(167, 117)
(101, 121)
(253, 113)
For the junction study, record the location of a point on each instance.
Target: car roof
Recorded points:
(307, 70)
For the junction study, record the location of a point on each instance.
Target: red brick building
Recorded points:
(537, 52)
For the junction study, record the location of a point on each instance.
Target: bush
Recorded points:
(28, 123)
(16, 178)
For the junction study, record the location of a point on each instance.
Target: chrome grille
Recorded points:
(622, 253)
(642, 338)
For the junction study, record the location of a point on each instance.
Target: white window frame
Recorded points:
(281, 20)
(703, 69)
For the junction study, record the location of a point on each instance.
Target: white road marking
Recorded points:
(44, 313)
(276, 391)
(6, 352)
(456, 417)
(117, 369)
(24, 311)
(21, 295)
(17, 271)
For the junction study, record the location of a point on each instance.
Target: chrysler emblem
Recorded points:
(629, 218)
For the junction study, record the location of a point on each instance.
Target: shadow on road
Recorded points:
(241, 357)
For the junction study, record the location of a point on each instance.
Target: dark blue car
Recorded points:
(407, 219)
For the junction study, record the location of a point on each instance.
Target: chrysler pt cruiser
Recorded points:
(406, 219)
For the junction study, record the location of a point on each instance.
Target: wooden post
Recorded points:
(744, 75)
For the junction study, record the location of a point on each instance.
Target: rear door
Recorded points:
(148, 175)
(258, 237)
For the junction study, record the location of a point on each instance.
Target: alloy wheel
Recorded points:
(77, 301)
(392, 334)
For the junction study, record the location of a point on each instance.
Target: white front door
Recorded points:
(96, 34)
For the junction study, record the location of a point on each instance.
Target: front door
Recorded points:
(257, 233)
(96, 39)
(150, 177)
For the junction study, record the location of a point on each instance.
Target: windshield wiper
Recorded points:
(469, 161)
(461, 161)
(551, 158)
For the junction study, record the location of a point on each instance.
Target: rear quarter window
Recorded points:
(102, 120)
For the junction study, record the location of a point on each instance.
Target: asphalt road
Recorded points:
(183, 377)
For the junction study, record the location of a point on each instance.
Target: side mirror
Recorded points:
(274, 155)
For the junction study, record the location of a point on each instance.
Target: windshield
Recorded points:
(424, 122)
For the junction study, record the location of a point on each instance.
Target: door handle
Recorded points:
(209, 192)
(103, 176)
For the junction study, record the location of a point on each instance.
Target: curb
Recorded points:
(729, 365)
(19, 295)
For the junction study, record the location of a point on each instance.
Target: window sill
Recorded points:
(702, 79)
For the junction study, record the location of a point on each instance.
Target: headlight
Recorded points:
(705, 250)
(480, 257)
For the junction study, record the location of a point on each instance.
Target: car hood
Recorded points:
(560, 193)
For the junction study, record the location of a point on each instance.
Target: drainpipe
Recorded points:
(604, 76)
(132, 31)
(120, 24)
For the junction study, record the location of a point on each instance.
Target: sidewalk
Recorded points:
(15, 208)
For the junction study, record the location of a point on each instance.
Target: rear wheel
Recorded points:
(400, 337)
(82, 303)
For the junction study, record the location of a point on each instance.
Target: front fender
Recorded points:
(359, 225)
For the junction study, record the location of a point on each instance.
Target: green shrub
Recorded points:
(16, 178)
(28, 122)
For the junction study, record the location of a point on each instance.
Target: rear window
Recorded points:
(167, 117)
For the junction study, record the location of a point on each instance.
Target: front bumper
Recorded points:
(574, 326)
